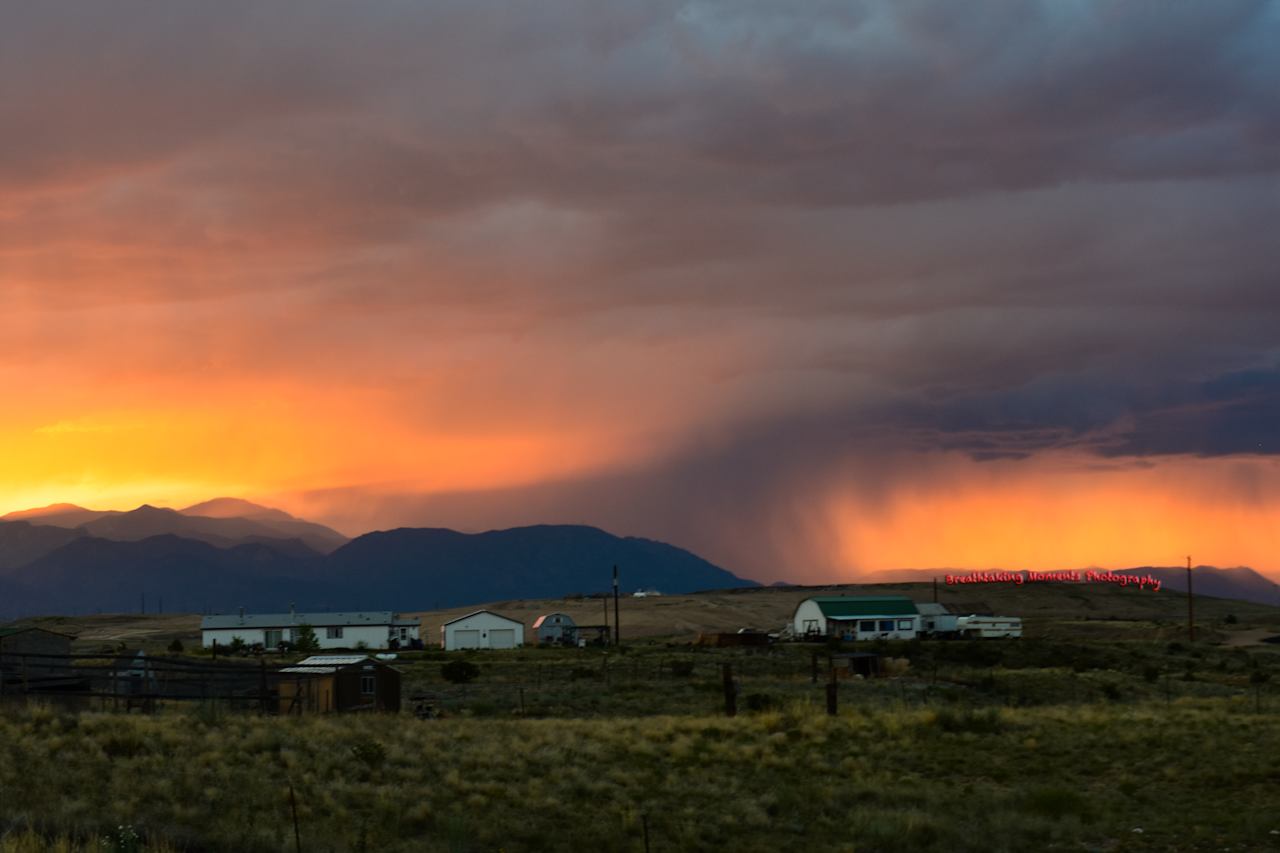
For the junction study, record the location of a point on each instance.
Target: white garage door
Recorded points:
(466, 639)
(502, 638)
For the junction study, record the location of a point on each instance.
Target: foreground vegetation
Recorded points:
(1188, 775)
(1105, 732)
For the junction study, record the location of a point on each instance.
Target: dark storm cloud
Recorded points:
(600, 104)
(1000, 229)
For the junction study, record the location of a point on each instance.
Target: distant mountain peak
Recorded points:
(51, 509)
(149, 509)
(234, 508)
(223, 522)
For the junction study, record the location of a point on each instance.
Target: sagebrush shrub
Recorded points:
(459, 671)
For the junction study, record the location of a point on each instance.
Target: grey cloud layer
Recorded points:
(997, 228)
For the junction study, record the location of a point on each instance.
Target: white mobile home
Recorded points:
(856, 617)
(379, 629)
(483, 629)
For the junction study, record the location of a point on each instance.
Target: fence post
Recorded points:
(730, 693)
(293, 807)
(832, 689)
(262, 685)
(813, 669)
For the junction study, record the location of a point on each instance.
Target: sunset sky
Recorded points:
(812, 289)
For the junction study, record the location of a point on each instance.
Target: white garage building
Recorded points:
(483, 629)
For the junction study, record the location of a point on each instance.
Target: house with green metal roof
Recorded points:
(857, 617)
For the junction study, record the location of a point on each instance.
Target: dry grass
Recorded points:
(1194, 775)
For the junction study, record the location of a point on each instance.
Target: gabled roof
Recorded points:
(289, 620)
(932, 608)
(10, 630)
(478, 612)
(852, 606)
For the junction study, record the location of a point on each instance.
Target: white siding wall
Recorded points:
(808, 615)
(900, 627)
(373, 636)
(225, 636)
(941, 623)
(483, 623)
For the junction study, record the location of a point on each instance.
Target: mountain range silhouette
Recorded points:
(224, 554)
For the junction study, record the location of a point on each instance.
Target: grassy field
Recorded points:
(1104, 729)
(1197, 774)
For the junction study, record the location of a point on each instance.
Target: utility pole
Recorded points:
(617, 627)
(935, 590)
(1191, 619)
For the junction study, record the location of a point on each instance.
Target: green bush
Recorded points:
(304, 639)
(459, 671)
(122, 839)
(968, 721)
(369, 752)
(1056, 802)
(760, 702)
(681, 668)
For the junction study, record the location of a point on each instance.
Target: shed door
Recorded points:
(466, 639)
(502, 638)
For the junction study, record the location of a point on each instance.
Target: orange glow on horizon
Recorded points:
(1060, 512)
(256, 441)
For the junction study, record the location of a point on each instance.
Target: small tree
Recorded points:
(175, 648)
(304, 639)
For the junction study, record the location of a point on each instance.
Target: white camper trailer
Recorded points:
(989, 626)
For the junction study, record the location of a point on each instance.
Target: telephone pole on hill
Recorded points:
(617, 627)
(1191, 619)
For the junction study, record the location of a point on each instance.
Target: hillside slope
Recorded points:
(444, 567)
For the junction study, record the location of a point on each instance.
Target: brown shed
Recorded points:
(327, 683)
(22, 648)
